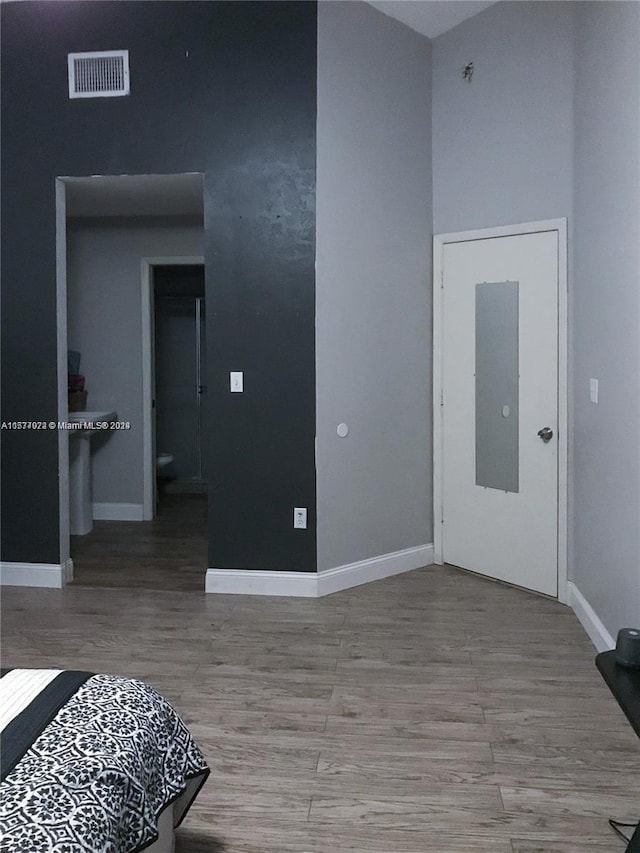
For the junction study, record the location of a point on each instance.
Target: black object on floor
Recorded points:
(624, 683)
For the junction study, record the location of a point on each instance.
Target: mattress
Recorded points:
(90, 763)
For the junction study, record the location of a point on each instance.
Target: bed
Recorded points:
(91, 764)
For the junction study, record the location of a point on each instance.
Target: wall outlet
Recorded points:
(300, 517)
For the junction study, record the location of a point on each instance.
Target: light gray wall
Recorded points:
(373, 285)
(502, 144)
(105, 323)
(548, 128)
(606, 311)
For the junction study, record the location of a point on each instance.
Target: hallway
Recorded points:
(168, 553)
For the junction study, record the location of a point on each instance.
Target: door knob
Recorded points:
(546, 434)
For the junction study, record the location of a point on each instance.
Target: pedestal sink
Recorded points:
(80, 501)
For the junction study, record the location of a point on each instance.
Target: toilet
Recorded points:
(162, 460)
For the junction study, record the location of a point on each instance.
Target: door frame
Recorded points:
(148, 414)
(64, 514)
(439, 242)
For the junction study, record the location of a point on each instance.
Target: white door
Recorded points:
(500, 408)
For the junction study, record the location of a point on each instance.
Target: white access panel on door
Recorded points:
(500, 482)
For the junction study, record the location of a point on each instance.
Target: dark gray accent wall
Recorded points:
(223, 88)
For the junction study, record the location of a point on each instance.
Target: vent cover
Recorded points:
(101, 74)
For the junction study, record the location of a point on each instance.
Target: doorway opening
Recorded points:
(179, 371)
(110, 231)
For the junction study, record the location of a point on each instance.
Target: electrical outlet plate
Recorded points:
(300, 517)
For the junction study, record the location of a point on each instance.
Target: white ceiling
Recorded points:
(135, 195)
(431, 17)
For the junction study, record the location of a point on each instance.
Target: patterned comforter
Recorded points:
(89, 762)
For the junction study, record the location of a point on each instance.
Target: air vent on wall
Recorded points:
(101, 74)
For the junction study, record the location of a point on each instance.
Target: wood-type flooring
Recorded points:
(432, 712)
(169, 552)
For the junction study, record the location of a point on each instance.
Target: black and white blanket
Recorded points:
(89, 762)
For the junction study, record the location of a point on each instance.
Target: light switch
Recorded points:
(593, 390)
(236, 381)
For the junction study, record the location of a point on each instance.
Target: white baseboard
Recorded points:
(317, 584)
(33, 574)
(374, 569)
(118, 512)
(598, 634)
(250, 582)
